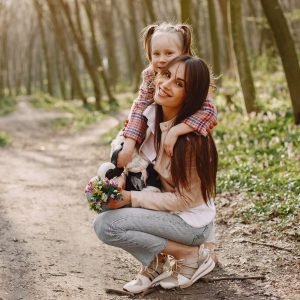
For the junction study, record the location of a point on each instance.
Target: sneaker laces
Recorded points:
(156, 267)
(181, 266)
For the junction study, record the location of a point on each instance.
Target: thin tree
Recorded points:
(58, 30)
(3, 47)
(198, 48)
(125, 33)
(30, 47)
(61, 78)
(214, 37)
(287, 51)
(107, 17)
(241, 55)
(186, 9)
(148, 4)
(227, 37)
(79, 40)
(97, 54)
(138, 63)
(39, 12)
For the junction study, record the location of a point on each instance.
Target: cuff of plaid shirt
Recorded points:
(134, 134)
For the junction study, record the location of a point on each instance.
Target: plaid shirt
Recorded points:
(202, 121)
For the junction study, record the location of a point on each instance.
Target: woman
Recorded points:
(179, 221)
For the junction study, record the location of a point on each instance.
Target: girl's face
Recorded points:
(170, 90)
(164, 47)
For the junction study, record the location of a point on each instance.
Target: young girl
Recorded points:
(179, 220)
(162, 43)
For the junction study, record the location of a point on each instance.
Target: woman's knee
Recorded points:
(102, 227)
(109, 226)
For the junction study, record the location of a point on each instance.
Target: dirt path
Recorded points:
(48, 249)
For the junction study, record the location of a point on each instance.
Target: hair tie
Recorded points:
(179, 28)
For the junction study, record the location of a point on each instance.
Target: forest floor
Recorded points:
(48, 248)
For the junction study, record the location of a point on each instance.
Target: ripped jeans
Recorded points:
(144, 233)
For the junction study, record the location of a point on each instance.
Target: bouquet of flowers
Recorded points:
(100, 191)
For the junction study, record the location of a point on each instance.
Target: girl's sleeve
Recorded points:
(203, 120)
(137, 123)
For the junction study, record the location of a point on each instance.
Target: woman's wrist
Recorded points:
(126, 197)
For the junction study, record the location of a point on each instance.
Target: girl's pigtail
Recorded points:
(187, 38)
(147, 36)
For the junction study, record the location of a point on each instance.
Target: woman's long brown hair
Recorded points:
(192, 150)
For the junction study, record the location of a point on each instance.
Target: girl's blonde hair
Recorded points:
(184, 32)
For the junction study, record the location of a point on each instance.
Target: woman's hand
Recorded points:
(121, 181)
(114, 204)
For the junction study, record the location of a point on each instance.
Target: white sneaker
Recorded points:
(148, 277)
(138, 285)
(188, 271)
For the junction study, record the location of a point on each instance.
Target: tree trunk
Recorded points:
(138, 64)
(231, 67)
(214, 37)
(186, 9)
(150, 11)
(29, 64)
(106, 13)
(196, 29)
(92, 71)
(97, 54)
(3, 59)
(60, 78)
(78, 19)
(61, 41)
(39, 12)
(241, 55)
(126, 42)
(286, 50)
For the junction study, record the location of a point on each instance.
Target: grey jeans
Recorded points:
(144, 233)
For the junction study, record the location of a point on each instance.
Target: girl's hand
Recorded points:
(124, 157)
(170, 141)
(114, 204)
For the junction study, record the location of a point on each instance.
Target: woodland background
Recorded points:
(85, 57)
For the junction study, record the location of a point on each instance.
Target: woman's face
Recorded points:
(170, 90)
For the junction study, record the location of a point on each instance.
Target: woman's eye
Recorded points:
(179, 83)
(166, 74)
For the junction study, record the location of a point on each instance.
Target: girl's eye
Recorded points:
(179, 83)
(155, 54)
(169, 53)
(166, 74)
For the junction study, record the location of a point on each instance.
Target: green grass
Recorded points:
(261, 157)
(4, 139)
(260, 154)
(79, 117)
(7, 105)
